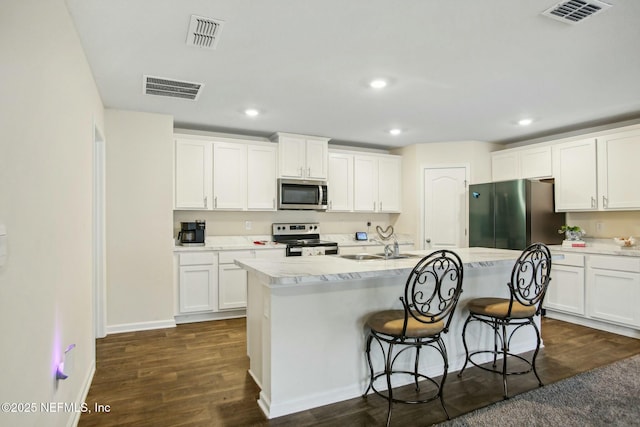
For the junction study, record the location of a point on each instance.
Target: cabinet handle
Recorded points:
(215, 202)
(380, 206)
(308, 171)
(274, 203)
(205, 201)
(593, 202)
(605, 202)
(374, 206)
(301, 172)
(330, 204)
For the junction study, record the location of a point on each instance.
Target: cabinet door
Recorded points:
(618, 170)
(291, 156)
(198, 288)
(192, 174)
(535, 162)
(566, 290)
(365, 184)
(389, 184)
(614, 296)
(261, 177)
(229, 176)
(340, 182)
(232, 287)
(316, 159)
(504, 165)
(575, 175)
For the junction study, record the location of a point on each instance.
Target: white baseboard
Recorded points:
(140, 326)
(203, 317)
(84, 392)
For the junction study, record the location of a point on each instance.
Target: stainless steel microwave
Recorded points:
(298, 194)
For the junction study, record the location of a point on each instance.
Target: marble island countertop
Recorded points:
(222, 243)
(600, 247)
(308, 270)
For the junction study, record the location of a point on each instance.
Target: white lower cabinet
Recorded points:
(232, 280)
(566, 289)
(613, 285)
(600, 291)
(198, 280)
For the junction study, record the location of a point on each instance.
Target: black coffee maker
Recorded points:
(191, 233)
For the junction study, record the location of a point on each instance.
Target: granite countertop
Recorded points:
(302, 270)
(222, 243)
(600, 247)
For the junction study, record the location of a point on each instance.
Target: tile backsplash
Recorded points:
(607, 224)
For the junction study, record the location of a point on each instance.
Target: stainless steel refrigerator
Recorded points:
(513, 214)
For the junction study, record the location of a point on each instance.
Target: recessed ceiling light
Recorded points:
(251, 112)
(378, 83)
(525, 122)
(395, 131)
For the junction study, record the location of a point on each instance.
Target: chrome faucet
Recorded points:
(388, 251)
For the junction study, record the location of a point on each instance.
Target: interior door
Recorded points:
(445, 207)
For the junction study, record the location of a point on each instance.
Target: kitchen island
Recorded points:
(306, 316)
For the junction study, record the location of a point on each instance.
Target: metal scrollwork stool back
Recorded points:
(431, 294)
(530, 278)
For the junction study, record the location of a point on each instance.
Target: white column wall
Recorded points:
(48, 105)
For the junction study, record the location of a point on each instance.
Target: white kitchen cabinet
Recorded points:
(192, 174)
(575, 175)
(229, 176)
(566, 289)
(232, 280)
(613, 287)
(521, 163)
(618, 156)
(302, 157)
(261, 177)
(377, 183)
(198, 280)
(340, 182)
(504, 165)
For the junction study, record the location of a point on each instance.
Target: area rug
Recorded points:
(607, 396)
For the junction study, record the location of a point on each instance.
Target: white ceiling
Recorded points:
(458, 69)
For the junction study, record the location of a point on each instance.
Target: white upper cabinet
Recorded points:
(261, 173)
(598, 173)
(302, 157)
(340, 182)
(222, 174)
(618, 156)
(377, 183)
(229, 176)
(575, 175)
(192, 174)
(525, 163)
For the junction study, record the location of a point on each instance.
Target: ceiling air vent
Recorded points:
(204, 32)
(574, 11)
(171, 88)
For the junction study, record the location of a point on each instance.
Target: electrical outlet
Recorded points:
(599, 227)
(247, 225)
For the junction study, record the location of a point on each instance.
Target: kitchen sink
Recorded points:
(362, 257)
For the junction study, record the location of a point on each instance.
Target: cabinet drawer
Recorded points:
(197, 258)
(228, 257)
(574, 260)
(620, 263)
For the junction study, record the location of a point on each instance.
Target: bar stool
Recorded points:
(530, 278)
(431, 293)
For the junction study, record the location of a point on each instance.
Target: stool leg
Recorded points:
(415, 369)
(535, 354)
(388, 369)
(445, 358)
(505, 350)
(368, 351)
(464, 343)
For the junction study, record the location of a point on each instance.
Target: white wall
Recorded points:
(415, 157)
(48, 102)
(139, 151)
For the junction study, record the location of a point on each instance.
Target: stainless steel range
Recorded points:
(303, 239)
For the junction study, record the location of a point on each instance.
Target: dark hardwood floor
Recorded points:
(196, 375)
